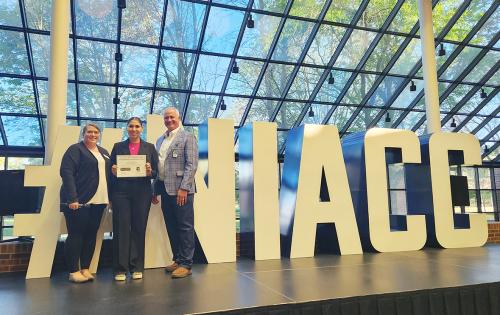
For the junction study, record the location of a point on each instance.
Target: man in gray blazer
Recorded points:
(178, 160)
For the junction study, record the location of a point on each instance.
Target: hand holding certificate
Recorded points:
(131, 166)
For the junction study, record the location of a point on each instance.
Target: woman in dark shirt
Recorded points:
(84, 195)
(131, 198)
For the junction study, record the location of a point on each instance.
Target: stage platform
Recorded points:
(430, 281)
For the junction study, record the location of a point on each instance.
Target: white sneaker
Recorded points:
(120, 277)
(137, 275)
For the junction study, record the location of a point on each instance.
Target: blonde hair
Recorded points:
(90, 125)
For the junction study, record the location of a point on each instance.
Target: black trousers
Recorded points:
(82, 225)
(179, 221)
(130, 218)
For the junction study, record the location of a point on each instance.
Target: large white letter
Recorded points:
(214, 212)
(258, 183)
(381, 236)
(446, 234)
(310, 151)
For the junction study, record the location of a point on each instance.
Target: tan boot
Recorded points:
(181, 272)
(171, 267)
(87, 274)
(77, 277)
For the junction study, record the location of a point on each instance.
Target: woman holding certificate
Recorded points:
(134, 163)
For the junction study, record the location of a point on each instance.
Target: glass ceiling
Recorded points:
(352, 63)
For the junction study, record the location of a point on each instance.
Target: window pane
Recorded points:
(43, 98)
(270, 5)
(304, 83)
(200, 108)
(355, 48)
(256, 41)
(244, 81)
(442, 13)
(288, 114)
(359, 88)
(236, 3)
(22, 131)
(376, 13)
(38, 14)
(307, 8)
(96, 61)
(40, 48)
(487, 132)
(96, 101)
(222, 30)
(141, 21)
(9, 13)
(234, 109)
(167, 99)
(385, 91)
(292, 40)
(488, 30)
(473, 202)
(468, 19)
(274, 80)
(363, 119)
(383, 53)
(396, 176)
(329, 92)
(341, 115)
(484, 178)
(342, 11)
(460, 63)
(406, 97)
(410, 120)
(410, 56)
(133, 103)
(324, 44)
(16, 96)
(471, 176)
(138, 66)
(97, 18)
(175, 70)
(261, 110)
(458, 93)
(406, 18)
(183, 24)
(319, 111)
(210, 73)
(14, 58)
(398, 202)
(483, 66)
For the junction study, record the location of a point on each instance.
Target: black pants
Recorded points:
(130, 218)
(179, 221)
(82, 225)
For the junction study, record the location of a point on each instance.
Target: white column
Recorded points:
(58, 73)
(429, 66)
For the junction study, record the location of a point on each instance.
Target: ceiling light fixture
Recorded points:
(441, 51)
(250, 22)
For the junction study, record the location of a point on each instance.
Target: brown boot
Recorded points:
(181, 272)
(171, 267)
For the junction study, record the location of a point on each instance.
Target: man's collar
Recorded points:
(173, 132)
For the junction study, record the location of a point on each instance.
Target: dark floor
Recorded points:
(248, 283)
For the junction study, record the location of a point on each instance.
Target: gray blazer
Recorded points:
(181, 162)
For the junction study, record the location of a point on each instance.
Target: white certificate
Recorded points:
(131, 166)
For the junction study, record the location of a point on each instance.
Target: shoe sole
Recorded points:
(180, 277)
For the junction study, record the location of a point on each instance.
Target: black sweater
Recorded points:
(80, 174)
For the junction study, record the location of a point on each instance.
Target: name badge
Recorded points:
(174, 154)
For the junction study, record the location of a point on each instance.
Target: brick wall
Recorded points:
(494, 233)
(14, 256)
